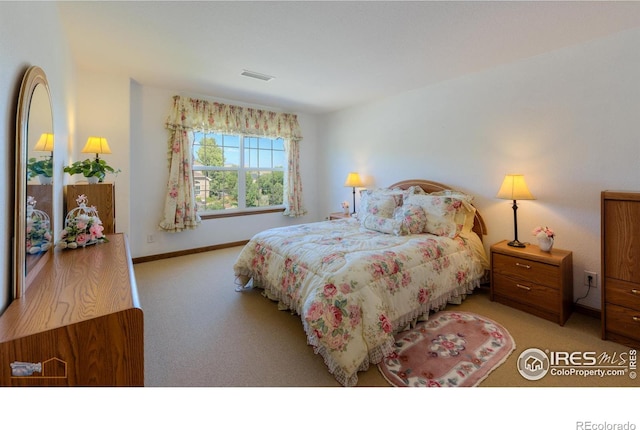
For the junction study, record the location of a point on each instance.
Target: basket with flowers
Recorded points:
(38, 228)
(82, 226)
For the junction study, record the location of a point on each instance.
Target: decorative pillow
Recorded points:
(379, 202)
(412, 217)
(465, 217)
(440, 212)
(414, 189)
(383, 225)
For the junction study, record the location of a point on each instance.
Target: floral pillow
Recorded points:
(413, 218)
(379, 202)
(414, 189)
(383, 225)
(466, 216)
(441, 213)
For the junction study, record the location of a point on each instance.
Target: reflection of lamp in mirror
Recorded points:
(43, 169)
(353, 180)
(45, 143)
(96, 145)
(515, 188)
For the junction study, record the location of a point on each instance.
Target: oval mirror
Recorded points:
(33, 237)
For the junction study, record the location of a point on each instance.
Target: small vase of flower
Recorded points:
(345, 207)
(545, 238)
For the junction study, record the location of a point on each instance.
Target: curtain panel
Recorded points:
(188, 114)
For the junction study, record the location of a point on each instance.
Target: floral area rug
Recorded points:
(451, 349)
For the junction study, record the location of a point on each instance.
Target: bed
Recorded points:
(414, 247)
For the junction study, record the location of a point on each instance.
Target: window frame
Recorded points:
(241, 180)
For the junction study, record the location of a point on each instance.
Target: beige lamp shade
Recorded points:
(353, 180)
(97, 145)
(514, 188)
(45, 143)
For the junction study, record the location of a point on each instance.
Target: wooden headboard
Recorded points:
(429, 187)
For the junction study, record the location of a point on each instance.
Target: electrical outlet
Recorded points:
(150, 238)
(593, 276)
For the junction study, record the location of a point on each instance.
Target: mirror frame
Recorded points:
(33, 77)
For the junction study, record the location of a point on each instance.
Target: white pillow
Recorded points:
(465, 217)
(379, 202)
(412, 217)
(441, 213)
(383, 225)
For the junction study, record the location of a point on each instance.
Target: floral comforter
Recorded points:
(354, 288)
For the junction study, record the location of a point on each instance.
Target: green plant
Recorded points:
(40, 167)
(90, 168)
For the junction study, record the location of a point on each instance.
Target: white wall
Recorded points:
(567, 120)
(104, 110)
(31, 35)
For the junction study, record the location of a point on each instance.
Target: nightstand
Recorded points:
(533, 281)
(338, 215)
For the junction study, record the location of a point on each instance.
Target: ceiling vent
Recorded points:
(256, 75)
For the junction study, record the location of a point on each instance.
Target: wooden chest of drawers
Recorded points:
(534, 281)
(621, 267)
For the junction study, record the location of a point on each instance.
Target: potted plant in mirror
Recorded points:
(43, 169)
(93, 170)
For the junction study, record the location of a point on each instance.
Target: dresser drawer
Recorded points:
(528, 270)
(526, 292)
(623, 293)
(623, 321)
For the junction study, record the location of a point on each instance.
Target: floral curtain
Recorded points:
(292, 182)
(180, 203)
(191, 114)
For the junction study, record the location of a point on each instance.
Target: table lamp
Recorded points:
(96, 145)
(515, 188)
(353, 180)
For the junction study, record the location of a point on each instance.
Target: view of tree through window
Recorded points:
(237, 172)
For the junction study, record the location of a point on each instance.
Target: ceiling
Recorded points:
(324, 55)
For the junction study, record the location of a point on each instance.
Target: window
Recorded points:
(237, 173)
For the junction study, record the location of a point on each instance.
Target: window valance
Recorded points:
(194, 114)
(187, 114)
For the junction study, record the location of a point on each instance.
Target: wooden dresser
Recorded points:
(621, 267)
(532, 280)
(101, 195)
(78, 324)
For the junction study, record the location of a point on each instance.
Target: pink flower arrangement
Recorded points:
(543, 232)
(82, 227)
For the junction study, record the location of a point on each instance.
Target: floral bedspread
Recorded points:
(354, 288)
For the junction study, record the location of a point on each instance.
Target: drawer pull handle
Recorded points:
(523, 287)
(636, 319)
(634, 291)
(525, 266)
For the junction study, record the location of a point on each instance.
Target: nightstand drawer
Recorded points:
(525, 292)
(529, 270)
(623, 293)
(623, 321)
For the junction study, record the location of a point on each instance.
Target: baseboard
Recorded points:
(187, 252)
(586, 310)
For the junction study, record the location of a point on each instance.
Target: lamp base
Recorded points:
(517, 244)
